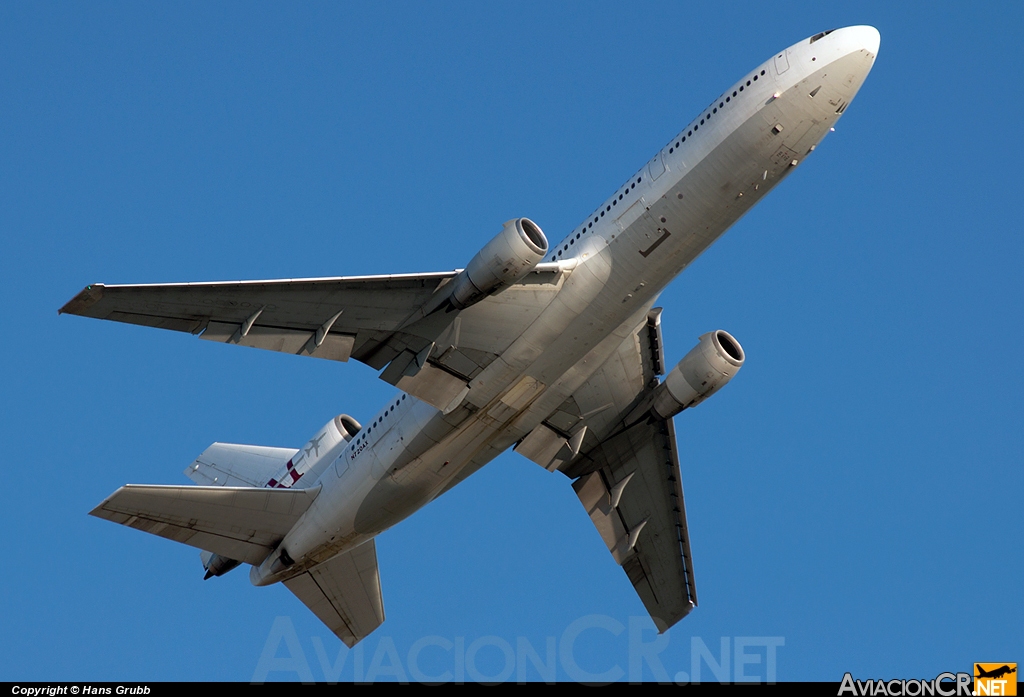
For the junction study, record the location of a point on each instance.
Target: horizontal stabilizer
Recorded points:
(229, 464)
(344, 592)
(235, 522)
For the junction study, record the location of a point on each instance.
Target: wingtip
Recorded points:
(85, 299)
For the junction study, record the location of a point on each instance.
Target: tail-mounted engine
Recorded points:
(317, 454)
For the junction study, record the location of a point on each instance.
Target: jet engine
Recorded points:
(714, 361)
(318, 453)
(216, 565)
(309, 461)
(504, 260)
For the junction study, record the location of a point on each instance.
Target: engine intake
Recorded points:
(710, 364)
(317, 454)
(504, 260)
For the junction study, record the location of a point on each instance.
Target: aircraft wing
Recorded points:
(627, 476)
(240, 523)
(634, 497)
(344, 593)
(430, 350)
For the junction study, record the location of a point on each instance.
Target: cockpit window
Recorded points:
(822, 35)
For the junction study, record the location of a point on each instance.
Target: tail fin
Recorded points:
(229, 464)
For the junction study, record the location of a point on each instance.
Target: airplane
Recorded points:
(554, 351)
(994, 673)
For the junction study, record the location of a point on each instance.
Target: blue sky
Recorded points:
(854, 492)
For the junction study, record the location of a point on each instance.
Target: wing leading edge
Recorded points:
(320, 317)
(399, 323)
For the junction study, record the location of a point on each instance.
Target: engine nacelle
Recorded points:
(504, 260)
(702, 372)
(318, 453)
(216, 565)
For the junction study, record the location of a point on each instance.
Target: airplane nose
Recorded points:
(865, 37)
(869, 38)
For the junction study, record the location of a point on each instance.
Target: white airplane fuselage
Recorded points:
(614, 265)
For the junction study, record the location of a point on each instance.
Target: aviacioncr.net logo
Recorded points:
(944, 685)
